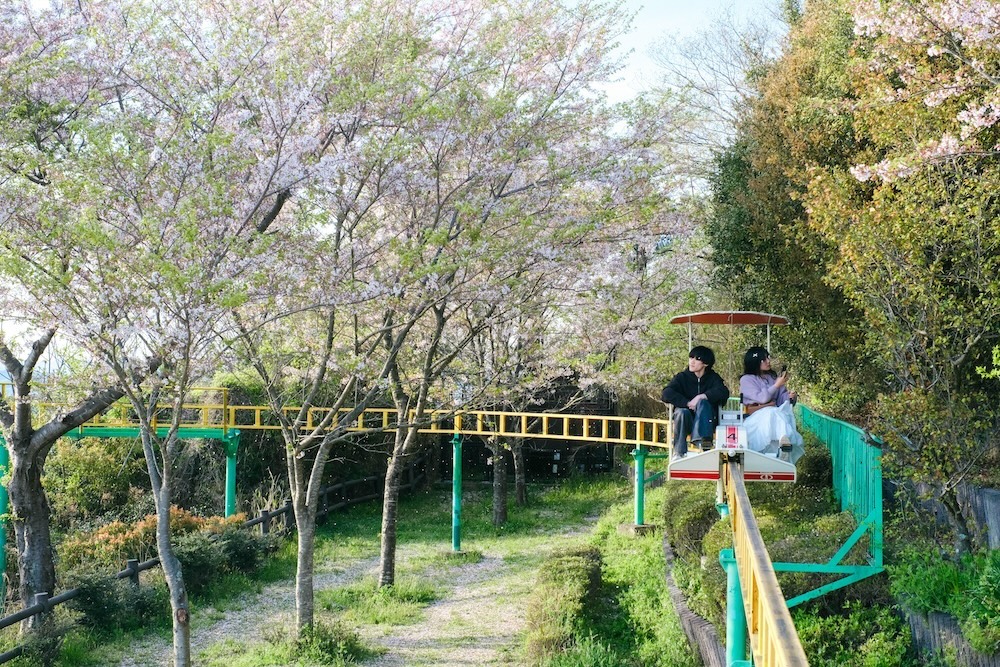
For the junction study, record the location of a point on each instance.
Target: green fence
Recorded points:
(857, 483)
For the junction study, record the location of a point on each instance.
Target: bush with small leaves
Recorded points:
(243, 550)
(202, 561)
(982, 625)
(107, 604)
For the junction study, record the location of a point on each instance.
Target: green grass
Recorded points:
(326, 644)
(364, 603)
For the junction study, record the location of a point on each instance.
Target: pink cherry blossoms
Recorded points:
(944, 53)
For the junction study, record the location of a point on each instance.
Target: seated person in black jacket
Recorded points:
(696, 395)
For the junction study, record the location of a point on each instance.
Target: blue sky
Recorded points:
(657, 19)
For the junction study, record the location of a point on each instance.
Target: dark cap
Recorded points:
(702, 354)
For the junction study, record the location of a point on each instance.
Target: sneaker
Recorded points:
(678, 456)
(786, 448)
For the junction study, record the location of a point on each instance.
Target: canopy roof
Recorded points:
(729, 317)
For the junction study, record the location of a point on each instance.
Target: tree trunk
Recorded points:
(390, 511)
(305, 603)
(499, 485)
(958, 520)
(520, 476)
(180, 610)
(30, 506)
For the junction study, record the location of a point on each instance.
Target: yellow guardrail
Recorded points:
(773, 638)
(216, 412)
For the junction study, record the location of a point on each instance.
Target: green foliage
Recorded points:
(331, 644)
(588, 652)
(371, 604)
(859, 636)
(42, 647)
(111, 545)
(202, 561)
(244, 550)
(95, 478)
(567, 582)
(689, 511)
(982, 625)
(322, 644)
(815, 467)
(968, 589)
(765, 255)
(109, 605)
(629, 615)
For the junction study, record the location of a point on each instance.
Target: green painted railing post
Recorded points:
(640, 485)
(736, 618)
(4, 508)
(456, 493)
(231, 442)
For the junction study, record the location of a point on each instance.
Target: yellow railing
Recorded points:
(216, 412)
(773, 638)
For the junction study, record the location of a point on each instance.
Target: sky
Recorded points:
(657, 19)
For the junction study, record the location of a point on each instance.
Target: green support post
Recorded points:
(736, 617)
(231, 443)
(456, 494)
(640, 484)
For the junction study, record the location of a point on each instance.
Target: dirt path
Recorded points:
(273, 606)
(475, 623)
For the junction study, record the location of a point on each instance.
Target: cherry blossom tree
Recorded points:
(150, 153)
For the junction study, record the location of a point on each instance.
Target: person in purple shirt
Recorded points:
(770, 422)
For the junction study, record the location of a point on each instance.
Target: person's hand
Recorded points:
(793, 396)
(693, 403)
(782, 379)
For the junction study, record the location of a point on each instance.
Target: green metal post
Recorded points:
(4, 463)
(456, 493)
(231, 442)
(736, 618)
(640, 485)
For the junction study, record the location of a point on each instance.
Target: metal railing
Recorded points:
(217, 413)
(857, 472)
(773, 638)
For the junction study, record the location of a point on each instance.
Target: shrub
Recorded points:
(202, 561)
(688, 520)
(815, 468)
(107, 604)
(567, 581)
(331, 644)
(110, 546)
(588, 652)
(982, 626)
(858, 636)
(320, 644)
(926, 582)
(243, 550)
(90, 478)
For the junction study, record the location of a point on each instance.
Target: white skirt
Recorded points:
(766, 426)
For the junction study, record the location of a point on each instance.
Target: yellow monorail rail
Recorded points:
(218, 413)
(573, 427)
(773, 638)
